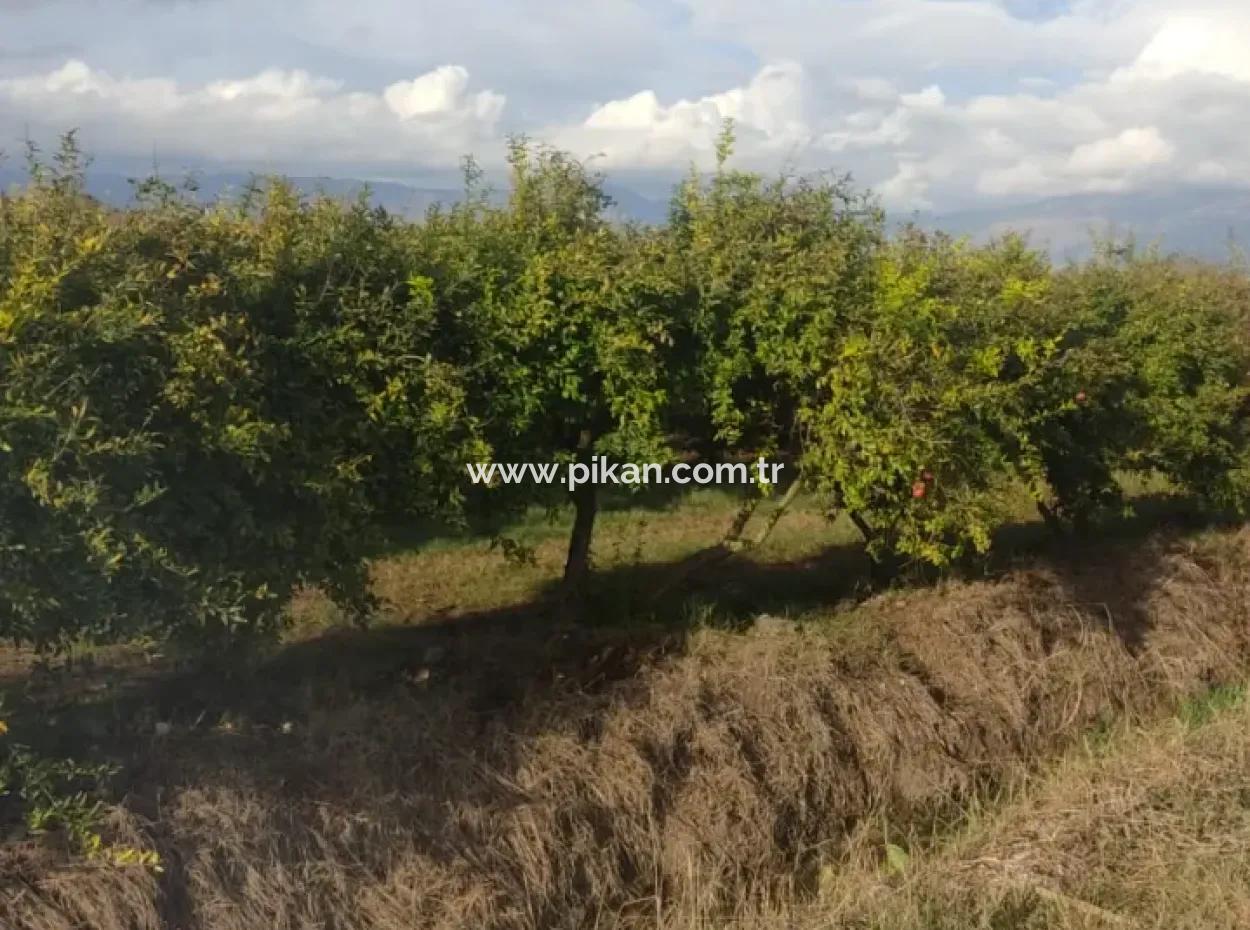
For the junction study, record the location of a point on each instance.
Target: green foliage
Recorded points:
(561, 324)
(922, 417)
(58, 794)
(52, 794)
(55, 794)
(1156, 351)
(914, 379)
(772, 273)
(203, 408)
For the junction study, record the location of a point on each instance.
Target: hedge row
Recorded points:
(203, 408)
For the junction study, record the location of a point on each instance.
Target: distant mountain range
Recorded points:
(1207, 222)
(117, 189)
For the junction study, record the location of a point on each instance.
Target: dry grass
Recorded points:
(504, 778)
(1148, 829)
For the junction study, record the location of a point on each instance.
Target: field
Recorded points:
(1058, 741)
(977, 658)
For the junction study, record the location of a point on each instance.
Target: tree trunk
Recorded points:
(586, 506)
(779, 511)
(1052, 521)
(880, 570)
(862, 525)
(740, 521)
(732, 544)
(577, 564)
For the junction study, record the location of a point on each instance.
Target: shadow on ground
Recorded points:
(522, 649)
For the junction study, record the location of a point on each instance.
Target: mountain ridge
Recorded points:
(1211, 222)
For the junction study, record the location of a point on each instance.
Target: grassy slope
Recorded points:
(1142, 827)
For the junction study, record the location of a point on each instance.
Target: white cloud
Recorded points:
(931, 98)
(909, 186)
(640, 131)
(274, 115)
(946, 103)
(1123, 154)
(1195, 44)
(1168, 116)
(1022, 177)
(273, 84)
(441, 92)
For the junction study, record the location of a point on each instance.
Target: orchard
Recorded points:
(205, 408)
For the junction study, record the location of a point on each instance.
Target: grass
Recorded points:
(454, 575)
(1148, 831)
(1198, 711)
(886, 761)
(808, 562)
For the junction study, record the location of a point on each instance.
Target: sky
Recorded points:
(933, 104)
